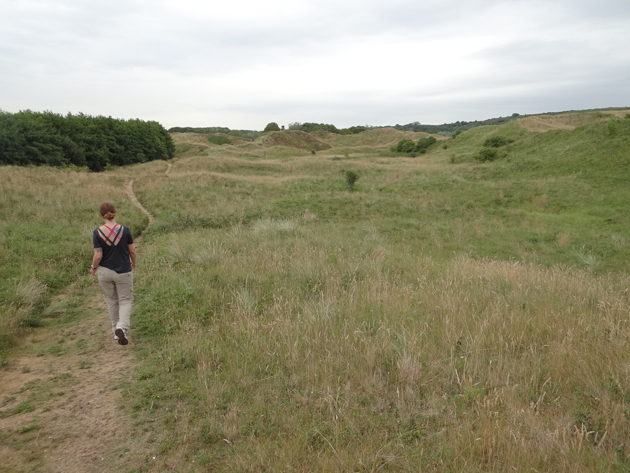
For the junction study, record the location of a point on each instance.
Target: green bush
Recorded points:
(404, 146)
(495, 142)
(424, 143)
(351, 179)
(456, 134)
(486, 154)
(313, 127)
(219, 140)
(273, 126)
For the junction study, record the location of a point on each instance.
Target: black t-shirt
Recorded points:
(116, 253)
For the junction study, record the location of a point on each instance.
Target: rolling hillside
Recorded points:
(462, 310)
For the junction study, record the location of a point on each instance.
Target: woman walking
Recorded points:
(113, 262)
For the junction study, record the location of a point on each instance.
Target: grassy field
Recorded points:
(445, 315)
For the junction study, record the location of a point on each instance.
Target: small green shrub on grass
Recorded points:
(351, 179)
(486, 154)
(495, 142)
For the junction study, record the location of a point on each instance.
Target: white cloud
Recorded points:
(244, 63)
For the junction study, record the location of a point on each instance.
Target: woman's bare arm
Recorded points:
(132, 255)
(96, 259)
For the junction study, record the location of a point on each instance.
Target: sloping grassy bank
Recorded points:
(446, 314)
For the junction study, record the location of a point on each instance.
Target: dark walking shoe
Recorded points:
(121, 333)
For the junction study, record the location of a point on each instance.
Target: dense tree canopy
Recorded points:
(46, 138)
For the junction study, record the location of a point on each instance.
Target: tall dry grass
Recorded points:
(309, 352)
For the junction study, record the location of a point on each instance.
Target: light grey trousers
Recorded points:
(118, 289)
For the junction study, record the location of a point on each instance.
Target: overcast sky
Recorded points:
(244, 63)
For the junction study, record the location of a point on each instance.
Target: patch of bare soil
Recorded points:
(61, 399)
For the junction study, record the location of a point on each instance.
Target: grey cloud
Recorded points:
(69, 54)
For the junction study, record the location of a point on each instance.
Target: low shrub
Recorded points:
(404, 146)
(351, 179)
(424, 143)
(486, 154)
(496, 142)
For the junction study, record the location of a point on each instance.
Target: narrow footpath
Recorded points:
(62, 392)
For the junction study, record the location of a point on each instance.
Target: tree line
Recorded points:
(244, 134)
(313, 127)
(450, 128)
(47, 138)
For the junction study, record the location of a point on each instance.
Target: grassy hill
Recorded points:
(446, 314)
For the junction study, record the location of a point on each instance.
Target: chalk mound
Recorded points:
(294, 139)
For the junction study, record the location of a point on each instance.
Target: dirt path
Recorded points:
(61, 398)
(61, 394)
(136, 202)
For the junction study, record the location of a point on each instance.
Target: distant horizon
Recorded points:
(329, 123)
(424, 123)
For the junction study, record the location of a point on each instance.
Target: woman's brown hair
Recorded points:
(108, 212)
